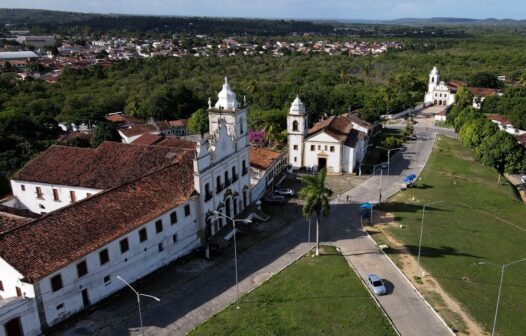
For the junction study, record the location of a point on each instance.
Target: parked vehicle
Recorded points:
(384, 165)
(376, 284)
(284, 192)
(275, 199)
(523, 179)
(412, 137)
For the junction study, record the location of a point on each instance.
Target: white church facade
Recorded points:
(438, 92)
(337, 143)
(118, 210)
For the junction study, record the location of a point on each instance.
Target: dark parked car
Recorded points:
(275, 199)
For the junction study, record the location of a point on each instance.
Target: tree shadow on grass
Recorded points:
(407, 207)
(305, 298)
(433, 252)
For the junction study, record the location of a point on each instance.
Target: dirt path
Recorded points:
(442, 302)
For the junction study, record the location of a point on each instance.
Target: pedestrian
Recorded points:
(347, 198)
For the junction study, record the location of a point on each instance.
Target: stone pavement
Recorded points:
(195, 302)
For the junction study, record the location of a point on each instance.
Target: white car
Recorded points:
(523, 179)
(376, 284)
(284, 192)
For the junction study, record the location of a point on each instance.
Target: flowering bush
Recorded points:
(256, 137)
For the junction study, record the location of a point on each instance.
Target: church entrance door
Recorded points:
(322, 163)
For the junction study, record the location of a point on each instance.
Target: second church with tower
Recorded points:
(337, 143)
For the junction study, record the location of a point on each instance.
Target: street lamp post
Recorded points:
(361, 160)
(421, 234)
(220, 214)
(389, 157)
(502, 269)
(308, 236)
(138, 299)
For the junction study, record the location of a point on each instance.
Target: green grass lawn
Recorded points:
(313, 296)
(478, 220)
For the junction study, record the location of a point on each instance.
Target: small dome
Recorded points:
(226, 98)
(297, 106)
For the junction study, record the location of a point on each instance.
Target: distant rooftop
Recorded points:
(8, 55)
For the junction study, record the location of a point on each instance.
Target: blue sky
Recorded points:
(341, 9)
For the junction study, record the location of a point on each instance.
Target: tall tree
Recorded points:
(502, 152)
(104, 132)
(198, 123)
(315, 195)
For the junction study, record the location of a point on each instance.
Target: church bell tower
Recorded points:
(297, 127)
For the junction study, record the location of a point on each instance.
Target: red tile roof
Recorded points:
(500, 118)
(72, 135)
(522, 139)
(339, 127)
(456, 83)
(46, 245)
(138, 129)
(482, 92)
(262, 158)
(110, 165)
(147, 139)
(121, 119)
(176, 143)
(178, 122)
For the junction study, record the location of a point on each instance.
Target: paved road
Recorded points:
(201, 298)
(406, 308)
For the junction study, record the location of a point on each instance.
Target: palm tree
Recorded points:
(316, 199)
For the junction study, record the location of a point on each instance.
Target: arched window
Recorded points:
(227, 207)
(241, 126)
(432, 79)
(295, 125)
(219, 187)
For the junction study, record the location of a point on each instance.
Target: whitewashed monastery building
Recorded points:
(338, 143)
(441, 94)
(119, 209)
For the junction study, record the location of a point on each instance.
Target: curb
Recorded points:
(372, 295)
(252, 289)
(409, 281)
(391, 261)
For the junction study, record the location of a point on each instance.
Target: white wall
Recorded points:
(209, 176)
(322, 148)
(11, 279)
(25, 310)
(296, 156)
(47, 203)
(11, 306)
(140, 260)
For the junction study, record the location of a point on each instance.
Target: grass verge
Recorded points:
(313, 296)
(469, 218)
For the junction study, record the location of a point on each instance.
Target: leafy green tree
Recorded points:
(392, 142)
(501, 151)
(315, 196)
(475, 131)
(198, 123)
(485, 80)
(103, 131)
(463, 97)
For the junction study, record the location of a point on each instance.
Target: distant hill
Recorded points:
(456, 21)
(442, 21)
(45, 21)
